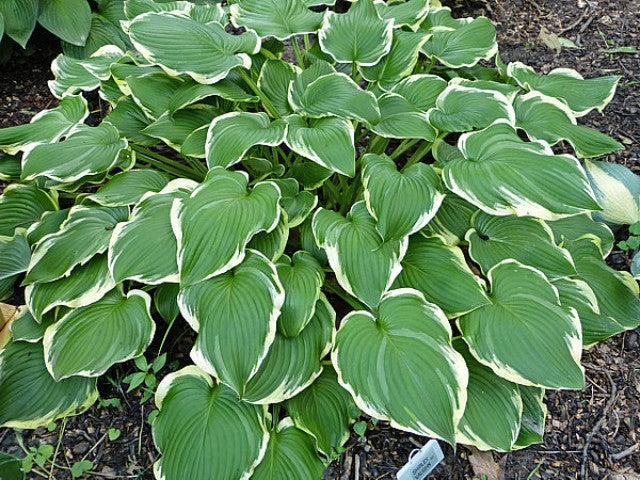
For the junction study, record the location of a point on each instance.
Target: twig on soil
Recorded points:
(598, 425)
(625, 453)
(576, 23)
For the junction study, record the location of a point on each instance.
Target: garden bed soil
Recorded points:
(593, 433)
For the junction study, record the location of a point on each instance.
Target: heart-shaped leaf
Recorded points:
(70, 20)
(400, 119)
(275, 18)
(127, 188)
(618, 191)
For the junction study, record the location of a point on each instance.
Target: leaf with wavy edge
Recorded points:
(409, 13)
(534, 414)
(618, 191)
(275, 18)
(127, 188)
(421, 91)
(400, 119)
(15, 254)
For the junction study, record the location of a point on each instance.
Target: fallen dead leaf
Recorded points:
(550, 39)
(484, 464)
(7, 314)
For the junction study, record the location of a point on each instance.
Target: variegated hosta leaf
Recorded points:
(25, 328)
(274, 80)
(365, 265)
(89, 340)
(400, 119)
(190, 92)
(440, 272)
(406, 347)
(298, 204)
(502, 175)
(30, 396)
(301, 276)
(579, 295)
(409, 13)
(291, 454)
(45, 127)
(421, 91)
(14, 259)
(19, 19)
(581, 95)
(86, 151)
(165, 299)
(127, 188)
(86, 231)
(232, 134)
(10, 167)
(618, 191)
(235, 316)
(49, 222)
(86, 284)
(525, 239)
(174, 129)
(359, 36)
(523, 338)
(324, 410)
(194, 144)
(231, 435)
(214, 224)
(402, 202)
(460, 109)
(293, 363)
(272, 244)
(491, 419)
(204, 13)
(70, 77)
(616, 292)
(335, 94)
(400, 60)
(534, 414)
(70, 20)
(306, 77)
(452, 220)
(458, 43)
(130, 120)
(144, 248)
(153, 92)
(569, 229)
(508, 90)
(105, 31)
(275, 18)
(326, 141)
(181, 45)
(549, 119)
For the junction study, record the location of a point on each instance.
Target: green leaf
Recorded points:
(194, 144)
(297, 204)
(406, 347)
(409, 13)
(324, 410)
(232, 134)
(460, 109)
(326, 141)
(301, 277)
(85, 284)
(452, 220)
(291, 454)
(86, 231)
(10, 168)
(275, 18)
(181, 45)
(365, 265)
(1, 26)
(88, 340)
(127, 188)
(14, 259)
(165, 299)
(568, 230)
(581, 95)
(502, 175)
(144, 248)
(68, 19)
(274, 80)
(618, 191)
(491, 419)
(534, 414)
(399, 62)
(19, 19)
(577, 294)
(402, 202)
(459, 43)
(190, 92)
(231, 434)
(441, 273)
(335, 94)
(215, 223)
(616, 292)
(359, 36)
(525, 239)
(25, 328)
(400, 119)
(22, 205)
(30, 396)
(546, 118)
(421, 91)
(272, 244)
(103, 33)
(526, 339)
(10, 466)
(174, 129)
(49, 222)
(86, 151)
(130, 120)
(508, 90)
(218, 310)
(45, 127)
(153, 92)
(292, 364)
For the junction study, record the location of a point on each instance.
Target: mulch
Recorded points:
(593, 433)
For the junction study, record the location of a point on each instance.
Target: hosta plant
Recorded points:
(348, 206)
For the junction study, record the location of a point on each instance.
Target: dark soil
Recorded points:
(596, 430)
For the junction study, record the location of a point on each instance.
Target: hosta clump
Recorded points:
(381, 223)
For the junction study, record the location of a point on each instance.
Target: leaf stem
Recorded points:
(347, 298)
(296, 49)
(417, 155)
(307, 44)
(196, 165)
(268, 106)
(167, 164)
(178, 172)
(405, 145)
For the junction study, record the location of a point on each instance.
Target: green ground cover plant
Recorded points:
(355, 207)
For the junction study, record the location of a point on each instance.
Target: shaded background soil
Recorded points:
(594, 433)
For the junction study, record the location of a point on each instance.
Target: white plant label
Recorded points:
(422, 463)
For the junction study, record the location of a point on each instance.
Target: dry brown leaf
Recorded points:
(550, 39)
(484, 464)
(7, 314)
